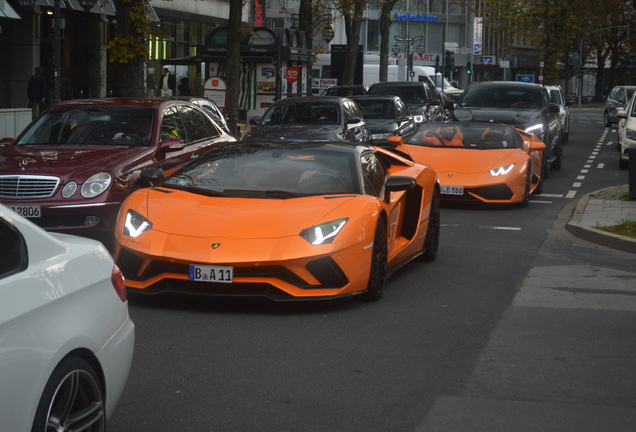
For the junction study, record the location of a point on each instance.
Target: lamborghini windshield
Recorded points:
(93, 125)
(260, 171)
(475, 136)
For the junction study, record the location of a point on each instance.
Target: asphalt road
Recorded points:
(469, 342)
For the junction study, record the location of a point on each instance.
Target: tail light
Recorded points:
(118, 283)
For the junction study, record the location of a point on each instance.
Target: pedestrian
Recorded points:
(184, 87)
(150, 83)
(167, 83)
(37, 91)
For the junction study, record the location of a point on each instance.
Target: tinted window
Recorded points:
(630, 92)
(171, 125)
(353, 110)
(252, 171)
(498, 97)
(414, 94)
(195, 123)
(92, 126)
(403, 110)
(302, 113)
(555, 96)
(12, 250)
(374, 174)
(466, 136)
(376, 109)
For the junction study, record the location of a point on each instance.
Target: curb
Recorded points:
(594, 235)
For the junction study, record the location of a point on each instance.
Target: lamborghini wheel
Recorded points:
(526, 191)
(73, 399)
(431, 244)
(377, 276)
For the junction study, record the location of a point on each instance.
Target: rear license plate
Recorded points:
(203, 273)
(452, 190)
(28, 211)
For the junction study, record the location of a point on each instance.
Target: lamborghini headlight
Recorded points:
(502, 170)
(537, 130)
(95, 185)
(323, 233)
(135, 224)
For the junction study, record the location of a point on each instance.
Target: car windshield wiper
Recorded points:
(276, 194)
(193, 189)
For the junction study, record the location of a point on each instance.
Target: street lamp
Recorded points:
(327, 32)
(408, 43)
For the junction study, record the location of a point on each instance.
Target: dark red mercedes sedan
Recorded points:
(70, 170)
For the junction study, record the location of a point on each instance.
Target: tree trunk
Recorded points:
(385, 33)
(353, 23)
(132, 72)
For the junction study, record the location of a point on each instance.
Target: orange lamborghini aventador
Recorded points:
(288, 221)
(481, 162)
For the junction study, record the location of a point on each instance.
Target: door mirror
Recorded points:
(172, 144)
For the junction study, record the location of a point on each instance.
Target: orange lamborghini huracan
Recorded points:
(284, 220)
(480, 162)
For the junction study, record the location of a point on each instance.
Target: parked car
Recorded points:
(526, 106)
(67, 339)
(424, 101)
(386, 116)
(479, 162)
(71, 169)
(287, 221)
(626, 130)
(557, 97)
(210, 108)
(330, 118)
(617, 98)
(346, 90)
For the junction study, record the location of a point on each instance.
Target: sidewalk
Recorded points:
(603, 208)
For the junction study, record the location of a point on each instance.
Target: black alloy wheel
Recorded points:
(431, 243)
(379, 255)
(73, 399)
(606, 119)
(526, 191)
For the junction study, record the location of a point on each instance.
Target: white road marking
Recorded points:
(584, 171)
(601, 165)
(576, 184)
(571, 194)
(540, 202)
(543, 195)
(580, 178)
(502, 228)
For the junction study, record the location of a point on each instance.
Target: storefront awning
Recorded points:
(105, 7)
(6, 11)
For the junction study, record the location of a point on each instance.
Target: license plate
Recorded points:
(28, 211)
(203, 273)
(452, 190)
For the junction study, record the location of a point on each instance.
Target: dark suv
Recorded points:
(618, 98)
(526, 106)
(420, 96)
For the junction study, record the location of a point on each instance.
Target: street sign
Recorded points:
(477, 49)
(505, 63)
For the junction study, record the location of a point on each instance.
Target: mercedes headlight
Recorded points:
(501, 170)
(323, 233)
(135, 224)
(630, 134)
(95, 185)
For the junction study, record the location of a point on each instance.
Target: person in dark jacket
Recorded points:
(184, 87)
(167, 83)
(37, 91)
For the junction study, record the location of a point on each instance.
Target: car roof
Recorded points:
(115, 102)
(295, 99)
(506, 84)
(398, 83)
(336, 146)
(375, 97)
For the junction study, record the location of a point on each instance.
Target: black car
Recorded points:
(421, 97)
(526, 106)
(312, 118)
(617, 98)
(346, 90)
(386, 116)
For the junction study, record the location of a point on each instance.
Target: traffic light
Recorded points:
(449, 60)
(468, 68)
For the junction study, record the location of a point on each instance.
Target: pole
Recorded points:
(57, 49)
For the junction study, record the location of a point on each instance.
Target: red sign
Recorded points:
(259, 14)
(292, 74)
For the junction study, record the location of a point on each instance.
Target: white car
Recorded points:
(66, 339)
(626, 130)
(557, 97)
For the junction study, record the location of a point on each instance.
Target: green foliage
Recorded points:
(131, 39)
